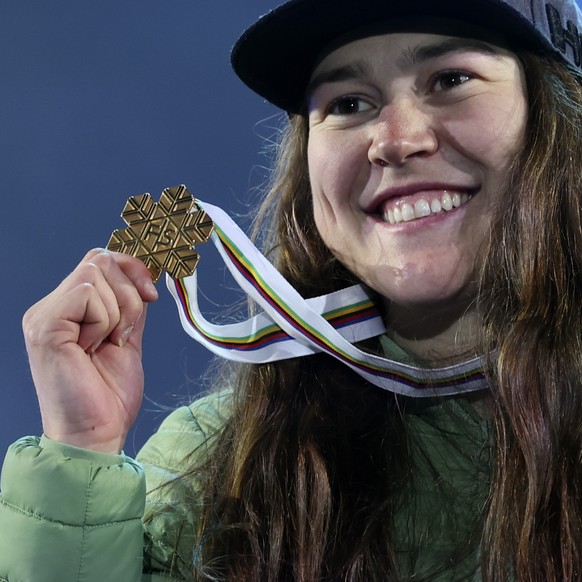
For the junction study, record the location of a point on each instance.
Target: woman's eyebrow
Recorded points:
(414, 56)
(425, 52)
(356, 69)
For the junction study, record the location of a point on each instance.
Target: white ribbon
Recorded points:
(304, 330)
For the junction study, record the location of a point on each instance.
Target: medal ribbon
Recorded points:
(291, 326)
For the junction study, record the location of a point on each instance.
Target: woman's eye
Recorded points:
(348, 105)
(448, 80)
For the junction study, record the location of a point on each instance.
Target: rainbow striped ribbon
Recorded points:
(291, 326)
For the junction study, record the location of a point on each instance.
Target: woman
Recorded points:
(433, 155)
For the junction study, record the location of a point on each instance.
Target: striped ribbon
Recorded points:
(291, 326)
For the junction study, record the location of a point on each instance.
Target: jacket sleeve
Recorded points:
(74, 515)
(69, 514)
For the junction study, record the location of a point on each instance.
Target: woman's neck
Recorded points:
(437, 334)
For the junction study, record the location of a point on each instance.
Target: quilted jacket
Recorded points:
(70, 515)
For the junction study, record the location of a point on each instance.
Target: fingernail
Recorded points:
(92, 349)
(125, 335)
(151, 288)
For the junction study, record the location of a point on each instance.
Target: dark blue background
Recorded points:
(99, 101)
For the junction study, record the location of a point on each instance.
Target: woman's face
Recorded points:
(410, 140)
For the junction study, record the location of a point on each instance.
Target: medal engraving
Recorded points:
(163, 234)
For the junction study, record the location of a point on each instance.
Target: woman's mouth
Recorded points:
(402, 211)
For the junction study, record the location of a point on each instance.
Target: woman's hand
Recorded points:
(84, 347)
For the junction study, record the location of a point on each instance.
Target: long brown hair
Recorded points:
(532, 304)
(299, 478)
(303, 479)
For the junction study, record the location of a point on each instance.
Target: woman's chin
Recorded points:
(424, 291)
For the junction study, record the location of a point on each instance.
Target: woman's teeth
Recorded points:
(422, 207)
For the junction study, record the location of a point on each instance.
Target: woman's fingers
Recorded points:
(120, 296)
(133, 268)
(104, 297)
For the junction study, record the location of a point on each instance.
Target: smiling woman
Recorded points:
(432, 158)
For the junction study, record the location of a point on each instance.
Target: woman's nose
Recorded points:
(401, 131)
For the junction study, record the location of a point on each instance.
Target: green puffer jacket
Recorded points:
(67, 514)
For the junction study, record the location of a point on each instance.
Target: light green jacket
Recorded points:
(67, 514)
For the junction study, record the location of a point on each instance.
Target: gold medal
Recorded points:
(163, 234)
